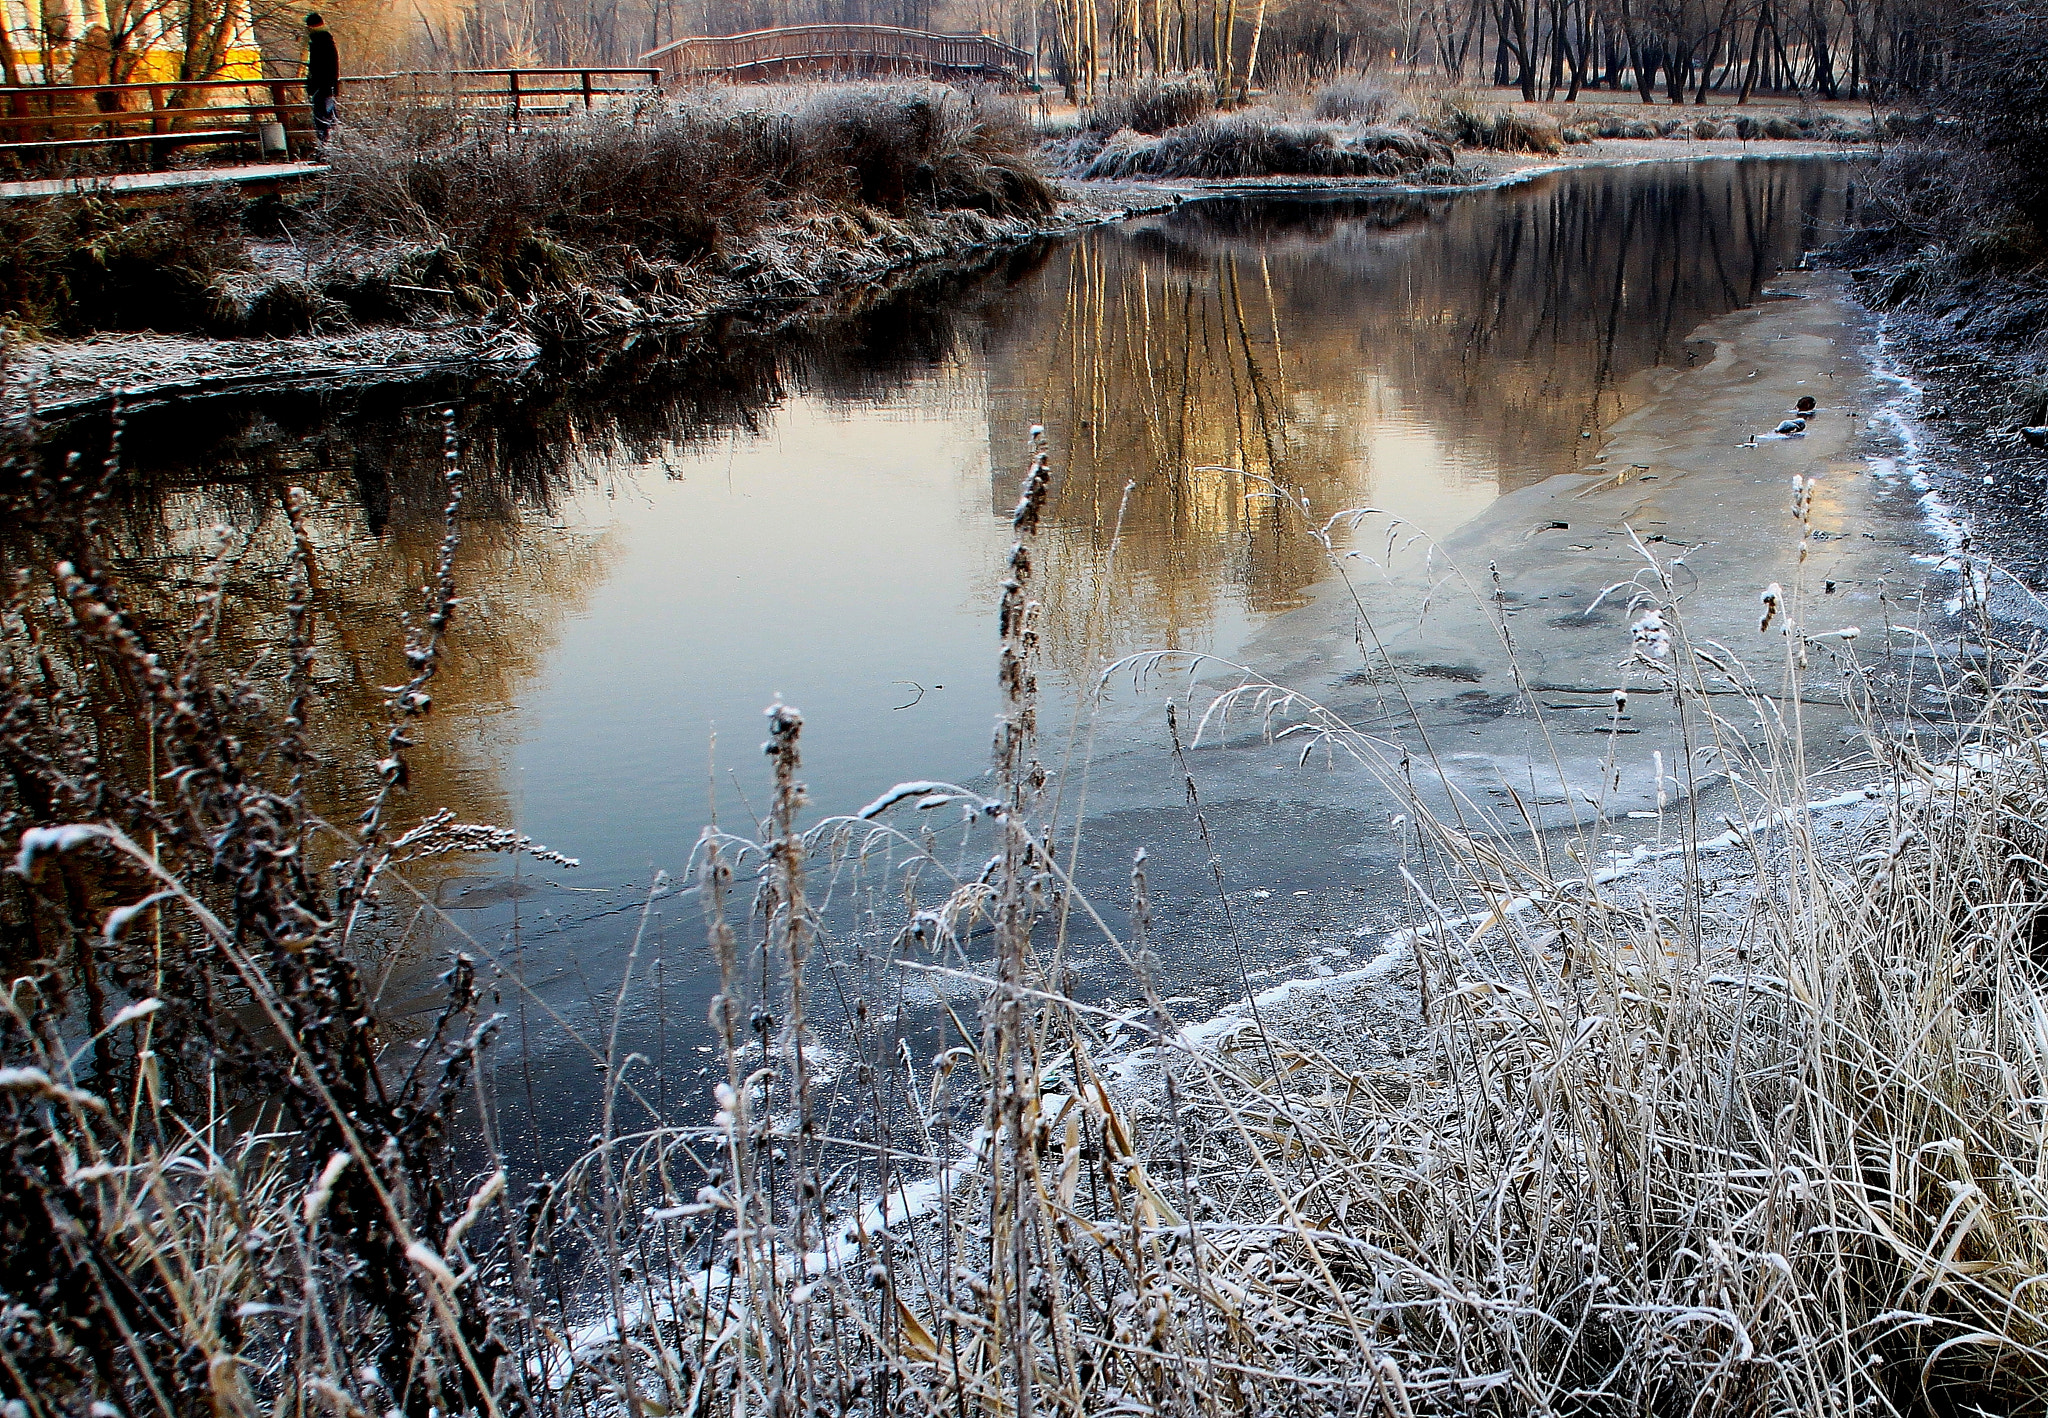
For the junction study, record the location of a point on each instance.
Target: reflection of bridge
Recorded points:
(839, 51)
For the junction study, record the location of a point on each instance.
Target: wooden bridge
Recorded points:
(839, 52)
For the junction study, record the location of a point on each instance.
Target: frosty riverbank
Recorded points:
(788, 275)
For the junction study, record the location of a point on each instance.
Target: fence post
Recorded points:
(512, 81)
(586, 89)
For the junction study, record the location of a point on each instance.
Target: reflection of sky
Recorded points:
(1405, 465)
(841, 557)
(839, 554)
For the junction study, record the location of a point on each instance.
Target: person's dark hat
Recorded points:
(313, 21)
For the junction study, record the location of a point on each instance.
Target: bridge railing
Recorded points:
(517, 92)
(49, 127)
(49, 112)
(827, 48)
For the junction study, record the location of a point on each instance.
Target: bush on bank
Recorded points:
(1169, 127)
(1957, 222)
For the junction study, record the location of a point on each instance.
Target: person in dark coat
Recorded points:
(323, 74)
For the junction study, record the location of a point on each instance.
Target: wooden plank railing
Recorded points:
(164, 107)
(58, 123)
(542, 90)
(49, 121)
(837, 49)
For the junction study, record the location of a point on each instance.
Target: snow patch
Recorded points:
(40, 840)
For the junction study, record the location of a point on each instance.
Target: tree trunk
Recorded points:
(1823, 60)
(7, 63)
(1251, 63)
(1557, 48)
(1525, 55)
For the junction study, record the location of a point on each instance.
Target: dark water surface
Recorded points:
(660, 543)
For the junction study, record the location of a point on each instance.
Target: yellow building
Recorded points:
(127, 41)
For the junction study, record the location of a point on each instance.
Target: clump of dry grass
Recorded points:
(680, 178)
(1260, 142)
(1504, 129)
(1357, 100)
(76, 264)
(1152, 103)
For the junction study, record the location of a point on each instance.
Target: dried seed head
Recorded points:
(1652, 639)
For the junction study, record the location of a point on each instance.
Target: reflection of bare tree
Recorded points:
(1281, 339)
(520, 577)
(205, 483)
(1165, 374)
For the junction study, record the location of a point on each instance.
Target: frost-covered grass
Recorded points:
(1164, 126)
(1582, 1147)
(1260, 142)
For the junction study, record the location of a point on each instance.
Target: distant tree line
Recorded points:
(1673, 51)
(1657, 50)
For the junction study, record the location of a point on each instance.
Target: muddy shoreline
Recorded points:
(794, 282)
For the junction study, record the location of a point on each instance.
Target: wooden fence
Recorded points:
(839, 51)
(514, 93)
(61, 120)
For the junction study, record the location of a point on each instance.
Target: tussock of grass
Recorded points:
(1152, 103)
(1259, 142)
(1358, 100)
(1502, 129)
